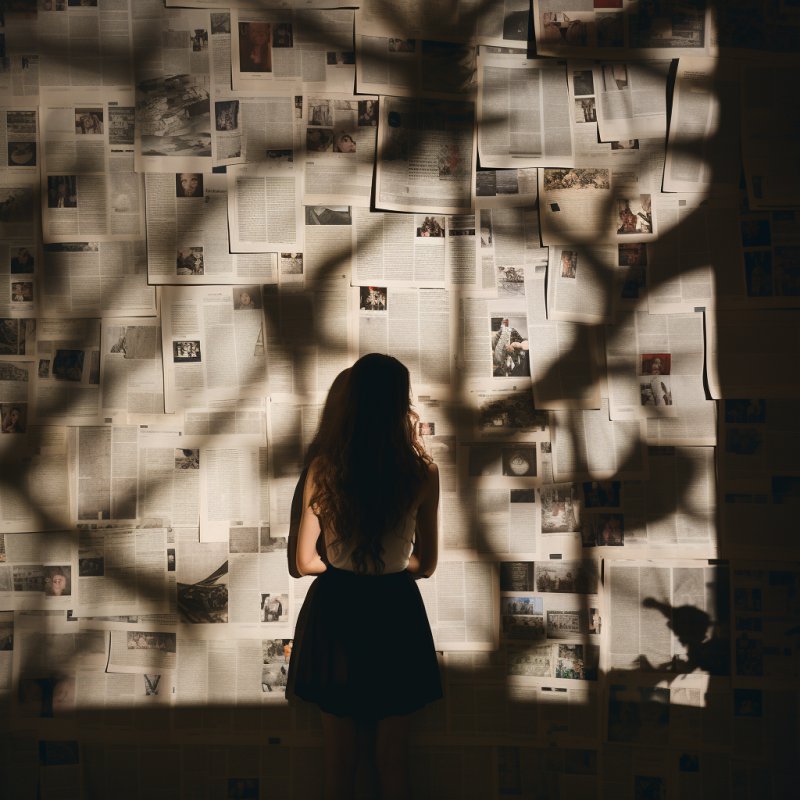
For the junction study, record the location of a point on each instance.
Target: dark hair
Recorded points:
(368, 462)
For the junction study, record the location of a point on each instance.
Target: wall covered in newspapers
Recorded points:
(576, 223)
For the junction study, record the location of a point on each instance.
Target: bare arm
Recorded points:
(309, 561)
(426, 546)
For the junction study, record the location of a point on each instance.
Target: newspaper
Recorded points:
(742, 359)
(413, 325)
(187, 233)
(525, 117)
(587, 444)
(176, 78)
(303, 48)
(758, 476)
(39, 571)
(631, 99)
(213, 344)
(602, 27)
(425, 153)
(462, 602)
(566, 355)
(98, 279)
(704, 133)
(97, 38)
(67, 386)
(655, 371)
(131, 370)
(771, 162)
(394, 65)
(500, 24)
(124, 571)
(650, 605)
(339, 147)
(89, 187)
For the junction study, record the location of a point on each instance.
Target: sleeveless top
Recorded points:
(398, 544)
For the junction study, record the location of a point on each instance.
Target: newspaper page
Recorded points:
(650, 605)
(462, 602)
(655, 371)
(339, 147)
(175, 80)
(582, 284)
(631, 99)
(39, 571)
(413, 325)
(691, 264)
(771, 161)
(187, 233)
(670, 29)
(566, 355)
(97, 38)
(747, 353)
(425, 153)
(524, 113)
(704, 133)
(310, 50)
(96, 279)
(89, 187)
(394, 65)
(124, 571)
(587, 444)
(67, 386)
(502, 24)
(213, 344)
(131, 370)
(758, 476)
(590, 204)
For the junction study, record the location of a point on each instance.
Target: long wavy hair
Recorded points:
(368, 461)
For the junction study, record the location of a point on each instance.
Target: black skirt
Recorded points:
(363, 647)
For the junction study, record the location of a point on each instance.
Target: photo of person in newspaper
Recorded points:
(510, 348)
(255, 48)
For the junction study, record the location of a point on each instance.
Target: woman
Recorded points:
(363, 650)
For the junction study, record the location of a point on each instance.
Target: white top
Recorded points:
(397, 547)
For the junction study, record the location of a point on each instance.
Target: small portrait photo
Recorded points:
(189, 261)
(68, 365)
(402, 45)
(510, 347)
(319, 140)
(151, 685)
(274, 607)
(585, 110)
(367, 113)
(320, 113)
(57, 581)
(185, 350)
(226, 115)
(756, 232)
(43, 370)
(88, 120)
(582, 81)
(426, 428)
(22, 292)
(328, 215)
(188, 184)
(255, 47)
(186, 458)
(14, 417)
(282, 34)
(246, 298)
(22, 260)
(22, 154)
(62, 191)
(632, 255)
(561, 509)
(431, 227)
(655, 363)
(344, 142)
(373, 298)
(635, 215)
(625, 144)
(291, 264)
(610, 530)
(569, 264)
(170, 559)
(199, 39)
(220, 22)
(656, 391)
(594, 623)
(519, 462)
(91, 566)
